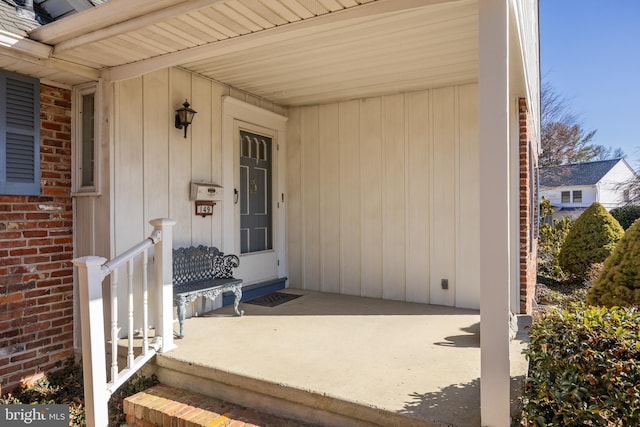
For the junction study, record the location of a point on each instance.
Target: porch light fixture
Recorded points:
(184, 117)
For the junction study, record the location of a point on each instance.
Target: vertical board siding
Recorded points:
(294, 200)
(443, 207)
(350, 189)
(394, 182)
(309, 132)
(180, 158)
(129, 173)
(201, 153)
(329, 158)
(468, 238)
(394, 206)
(371, 166)
(156, 145)
(418, 179)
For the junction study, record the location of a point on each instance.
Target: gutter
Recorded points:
(39, 54)
(24, 45)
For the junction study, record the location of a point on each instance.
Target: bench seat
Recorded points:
(203, 272)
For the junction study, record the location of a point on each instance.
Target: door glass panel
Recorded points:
(256, 231)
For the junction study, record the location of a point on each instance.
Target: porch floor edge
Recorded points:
(338, 360)
(319, 409)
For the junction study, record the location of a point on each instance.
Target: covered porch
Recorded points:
(330, 359)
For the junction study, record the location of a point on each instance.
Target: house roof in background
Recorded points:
(14, 22)
(16, 18)
(588, 173)
(58, 9)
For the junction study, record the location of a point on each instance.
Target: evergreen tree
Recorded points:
(590, 240)
(619, 282)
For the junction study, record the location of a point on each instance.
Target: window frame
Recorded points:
(562, 197)
(78, 140)
(574, 198)
(18, 188)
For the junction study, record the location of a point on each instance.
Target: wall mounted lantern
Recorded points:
(184, 117)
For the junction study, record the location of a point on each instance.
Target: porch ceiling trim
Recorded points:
(24, 45)
(103, 16)
(34, 53)
(265, 37)
(133, 24)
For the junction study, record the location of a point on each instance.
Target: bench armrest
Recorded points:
(223, 266)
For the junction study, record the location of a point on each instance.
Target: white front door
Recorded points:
(254, 188)
(256, 206)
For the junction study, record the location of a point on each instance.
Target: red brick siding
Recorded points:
(528, 210)
(36, 274)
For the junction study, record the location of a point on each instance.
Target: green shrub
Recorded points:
(590, 240)
(550, 242)
(584, 368)
(626, 215)
(619, 282)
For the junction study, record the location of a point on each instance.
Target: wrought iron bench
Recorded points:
(203, 272)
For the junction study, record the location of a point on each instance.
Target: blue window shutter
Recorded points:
(19, 134)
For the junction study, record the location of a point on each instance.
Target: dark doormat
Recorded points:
(273, 299)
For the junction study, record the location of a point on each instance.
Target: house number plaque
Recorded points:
(204, 208)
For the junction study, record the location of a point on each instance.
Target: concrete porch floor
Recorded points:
(339, 360)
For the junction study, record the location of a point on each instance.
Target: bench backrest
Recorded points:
(193, 264)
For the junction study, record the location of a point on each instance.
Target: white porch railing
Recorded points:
(92, 271)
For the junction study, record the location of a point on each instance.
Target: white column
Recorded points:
(94, 368)
(494, 211)
(163, 265)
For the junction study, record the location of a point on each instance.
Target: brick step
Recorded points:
(165, 406)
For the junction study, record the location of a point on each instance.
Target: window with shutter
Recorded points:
(19, 134)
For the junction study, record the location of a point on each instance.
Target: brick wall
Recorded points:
(36, 274)
(528, 210)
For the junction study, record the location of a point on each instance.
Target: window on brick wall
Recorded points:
(86, 172)
(19, 134)
(577, 196)
(566, 197)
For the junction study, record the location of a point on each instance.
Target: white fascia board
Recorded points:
(96, 18)
(133, 24)
(39, 55)
(24, 45)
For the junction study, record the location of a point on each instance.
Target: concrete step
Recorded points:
(305, 406)
(164, 406)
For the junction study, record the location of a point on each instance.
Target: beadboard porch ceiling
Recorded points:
(292, 52)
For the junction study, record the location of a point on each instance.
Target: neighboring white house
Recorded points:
(573, 188)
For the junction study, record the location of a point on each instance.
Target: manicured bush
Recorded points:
(626, 215)
(584, 368)
(550, 242)
(619, 282)
(590, 240)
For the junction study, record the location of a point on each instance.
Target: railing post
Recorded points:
(163, 281)
(94, 366)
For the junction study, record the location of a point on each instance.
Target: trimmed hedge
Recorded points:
(619, 282)
(550, 240)
(626, 215)
(590, 240)
(584, 368)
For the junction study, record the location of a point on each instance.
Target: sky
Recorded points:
(590, 55)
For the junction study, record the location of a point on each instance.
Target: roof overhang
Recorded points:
(290, 52)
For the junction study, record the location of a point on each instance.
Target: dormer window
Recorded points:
(566, 197)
